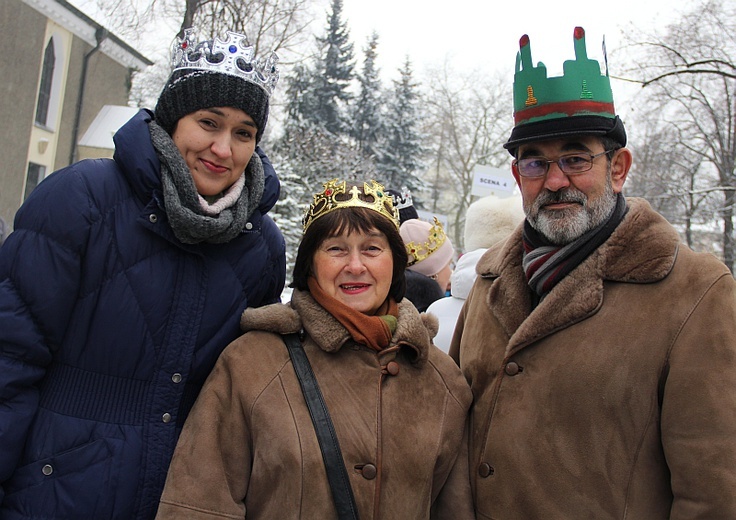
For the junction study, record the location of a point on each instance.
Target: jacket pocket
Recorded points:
(78, 483)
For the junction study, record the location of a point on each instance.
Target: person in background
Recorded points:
(430, 257)
(404, 203)
(123, 282)
(420, 289)
(398, 405)
(600, 349)
(487, 221)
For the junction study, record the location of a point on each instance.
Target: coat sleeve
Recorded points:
(272, 234)
(210, 471)
(698, 414)
(455, 501)
(277, 267)
(40, 265)
(271, 183)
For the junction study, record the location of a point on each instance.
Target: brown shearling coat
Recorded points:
(248, 448)
(616, 397)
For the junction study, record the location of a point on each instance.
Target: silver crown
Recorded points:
(403, 199)
(232, 56)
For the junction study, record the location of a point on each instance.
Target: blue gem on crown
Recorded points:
(232, 56)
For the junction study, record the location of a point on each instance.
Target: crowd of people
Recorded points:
(583, 364)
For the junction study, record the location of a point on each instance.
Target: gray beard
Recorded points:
(562, 227)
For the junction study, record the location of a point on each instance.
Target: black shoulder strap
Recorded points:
(337, 475)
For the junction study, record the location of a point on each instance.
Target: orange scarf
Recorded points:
(373, 331)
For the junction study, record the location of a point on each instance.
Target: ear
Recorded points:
(620, 165)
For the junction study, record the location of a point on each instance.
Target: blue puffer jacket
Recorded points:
(108, 328)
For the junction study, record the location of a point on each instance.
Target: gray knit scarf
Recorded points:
(186, 216)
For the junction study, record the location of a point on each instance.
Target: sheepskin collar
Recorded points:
(414, 331)
(642, 249)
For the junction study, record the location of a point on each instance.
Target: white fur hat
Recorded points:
(491, 219)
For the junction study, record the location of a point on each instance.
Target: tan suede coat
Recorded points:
(248, 449)
(616, 397)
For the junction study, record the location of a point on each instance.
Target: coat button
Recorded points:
(248, 226)
(47, 470)
(153, 218)
(166, 417)
(176, 378)
(369, 472)
(393, 368)
(512, 368)
(485, 470)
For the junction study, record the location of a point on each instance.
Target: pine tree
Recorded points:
(327, 93)
(367, 116)
(299, 93)
(316, 145)
(336, 68)
(401, 159)
(306, 157)
(289, 210)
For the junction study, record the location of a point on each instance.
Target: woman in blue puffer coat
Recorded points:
(124, 280)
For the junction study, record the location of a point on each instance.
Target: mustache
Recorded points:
(553, 197)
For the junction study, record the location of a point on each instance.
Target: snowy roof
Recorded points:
(106, 123)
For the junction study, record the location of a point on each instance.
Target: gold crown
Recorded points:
(435, 239)
(327, 201)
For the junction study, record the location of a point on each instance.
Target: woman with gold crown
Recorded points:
(385, 435)
(123, 282)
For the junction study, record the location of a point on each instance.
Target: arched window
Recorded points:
(44, 91)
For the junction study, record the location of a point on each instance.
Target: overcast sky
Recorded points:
(485, 33)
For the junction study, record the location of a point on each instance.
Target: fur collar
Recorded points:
(414, 331)
(642, 249)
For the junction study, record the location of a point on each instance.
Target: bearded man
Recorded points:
(600, 350)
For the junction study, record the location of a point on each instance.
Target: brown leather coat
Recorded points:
(616, 396)
(248, 449)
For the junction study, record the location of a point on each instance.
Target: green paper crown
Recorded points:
(581, 90)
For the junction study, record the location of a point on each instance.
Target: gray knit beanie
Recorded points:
(190, 90)
(214, 73)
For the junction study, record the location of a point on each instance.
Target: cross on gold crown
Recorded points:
(334, 196)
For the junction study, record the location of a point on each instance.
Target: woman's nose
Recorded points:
(221, 145)
(355, 262)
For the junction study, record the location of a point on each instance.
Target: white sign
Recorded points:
(493, 181)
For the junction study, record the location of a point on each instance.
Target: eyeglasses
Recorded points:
(570, 164)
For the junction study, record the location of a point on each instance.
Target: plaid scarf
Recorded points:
(545, 264)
